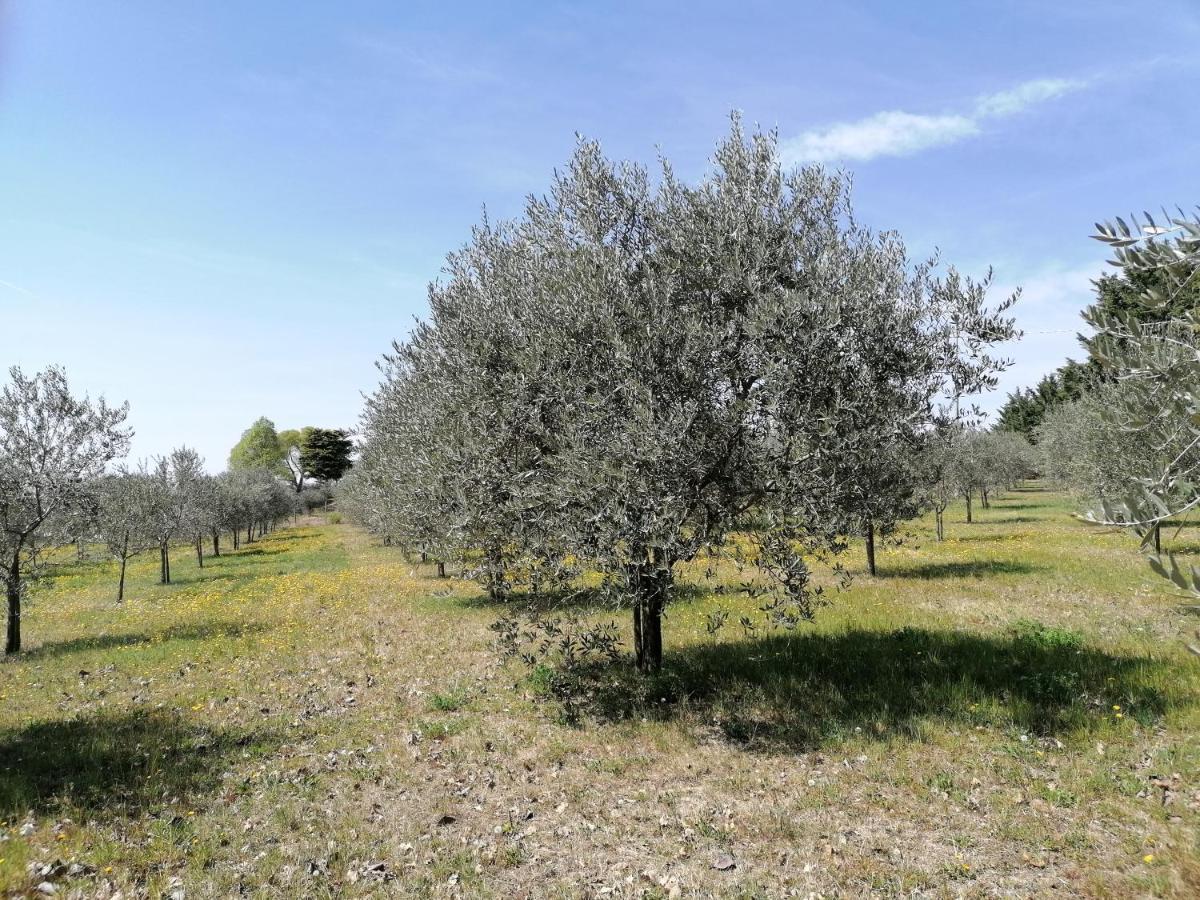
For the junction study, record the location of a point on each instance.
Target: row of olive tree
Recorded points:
(960, 463)
(58, 486)
(638, 367)
(174, 501)
(53, 445)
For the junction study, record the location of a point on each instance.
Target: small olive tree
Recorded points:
(51, 444)
(177, 479)
(127, 505)
(933, 471)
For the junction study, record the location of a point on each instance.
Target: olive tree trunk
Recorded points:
(13, 590)
(651, 584)
(124, 563)
(121, 583)
(871, 549)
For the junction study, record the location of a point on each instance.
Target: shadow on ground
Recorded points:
(997, 536)
(112, 766)
(964, 569)
(799, 692)
(575, 599)
(132, 639)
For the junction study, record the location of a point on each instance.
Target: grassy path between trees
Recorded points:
(1010, 712)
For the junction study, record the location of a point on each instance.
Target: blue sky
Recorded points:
(219, 210)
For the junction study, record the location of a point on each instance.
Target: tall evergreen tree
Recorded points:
(325, 453)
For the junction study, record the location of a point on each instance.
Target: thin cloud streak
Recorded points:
(900, 133)
(16, 287)
(1025, 95)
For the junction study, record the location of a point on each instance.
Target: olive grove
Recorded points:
(61, 484)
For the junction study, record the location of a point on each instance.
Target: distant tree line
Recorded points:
(1118, 299)
(302, 455)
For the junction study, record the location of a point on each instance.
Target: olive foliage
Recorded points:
(638, 366)
(1153, 350)
(52, 445)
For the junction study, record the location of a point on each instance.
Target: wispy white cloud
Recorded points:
(8, 285)
(1024, 95)
(900, 133)
(893, 133)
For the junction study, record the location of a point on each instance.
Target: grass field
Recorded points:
(1008, 713)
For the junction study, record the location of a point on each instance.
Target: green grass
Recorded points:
(1011, 711)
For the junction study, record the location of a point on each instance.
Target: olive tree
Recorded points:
(934, 473)
(177, 480)
(363, 497)
(958, 460)
(51, 444)
(1143, 431)
(127, 504)
(204, 515)
(990, 462)
(1157, 361)
(639, 366)
(1157, 358)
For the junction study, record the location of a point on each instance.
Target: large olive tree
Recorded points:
(638, 366)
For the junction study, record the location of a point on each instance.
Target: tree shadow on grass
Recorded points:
(208, 575)
(588, 599)
(539, 604)
(1010, 536)
(257, 550)
(114, 765)
(981, 568)
(132, 639)
(291, 534)
(801, 692)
